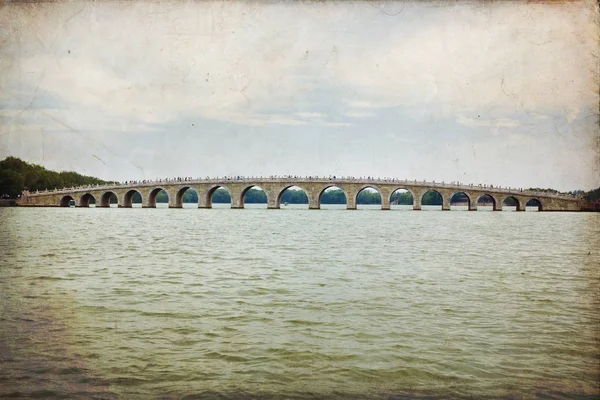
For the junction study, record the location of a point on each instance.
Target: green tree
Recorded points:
(592, 195)
(162, 197)
(15, 171)
(367, 197)
(11, 183)
(221, 196)
(294, 196)
(459, 198)
(190, 196)
(404, 198)
(255, 196)
(432, 198)
(333, 196)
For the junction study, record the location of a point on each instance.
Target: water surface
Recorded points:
(169, 303)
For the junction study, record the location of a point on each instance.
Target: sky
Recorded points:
(503, 93)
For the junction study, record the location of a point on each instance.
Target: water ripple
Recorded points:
(222, 304)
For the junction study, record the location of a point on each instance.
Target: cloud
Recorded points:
(311, 115)
(139, 74)
(337, 124)
(498, 123)
(358, 114)
(367, 104)
(230, 70)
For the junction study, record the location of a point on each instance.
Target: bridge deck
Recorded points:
(312, 186)
(256, 182)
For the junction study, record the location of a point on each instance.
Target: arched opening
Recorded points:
(132, 198)
(401, 199)
(368, 198)
(67, 201)
(510, 204)
(254, 197)
(187, 197)
(219, 197)
(432, 200)
(533, 205)
(292, 197)
(333, 198)
(460, 202)
(158, 196)
(108, 199)
(86, 200)
(486, 203)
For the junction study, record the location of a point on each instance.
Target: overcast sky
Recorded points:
(504, 93)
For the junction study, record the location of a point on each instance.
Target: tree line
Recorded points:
(17, 175)
(592, 195)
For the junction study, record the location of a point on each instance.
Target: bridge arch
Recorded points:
(152, 196)
(365, 187)
(247, 189)
(433, 198)
(487, 198)
(456, 197)
(211, 191)
(533, 202)
(181, 192)
(85, 199)
(400, 190)
(325, 188)
(510, 201)
(284, 189)
(128, 198)
(66, 201)
(105, 199)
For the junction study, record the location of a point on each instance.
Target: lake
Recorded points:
(292, 303)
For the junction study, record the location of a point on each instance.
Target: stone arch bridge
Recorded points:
(313, 187)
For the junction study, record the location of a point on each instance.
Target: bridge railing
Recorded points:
(309, 179)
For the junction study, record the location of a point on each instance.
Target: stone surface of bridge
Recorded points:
(275, 187)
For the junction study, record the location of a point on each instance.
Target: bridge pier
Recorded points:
(174, 202)
(203, 202)
(237, 201)
(385, 199)
(472, 203)
(446, 198)
(417, 201)
(272, 203)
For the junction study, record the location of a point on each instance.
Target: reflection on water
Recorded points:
(267, 304)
